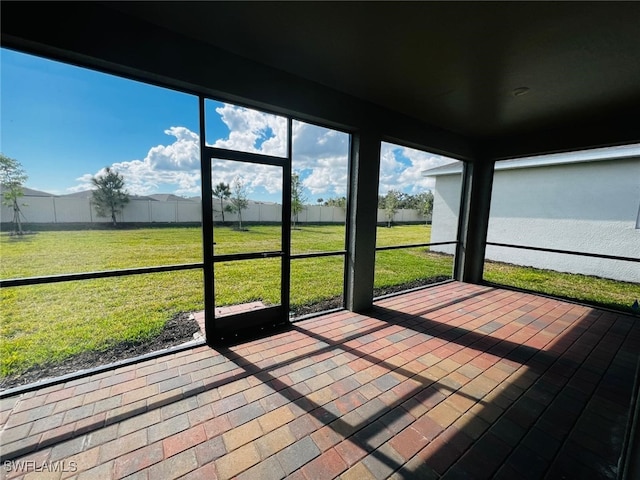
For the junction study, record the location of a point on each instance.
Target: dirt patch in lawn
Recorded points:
(178, 330)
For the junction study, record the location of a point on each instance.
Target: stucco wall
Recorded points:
(586, 207)
(446, 206)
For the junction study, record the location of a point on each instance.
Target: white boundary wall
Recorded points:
(588, 207)
(80, 210)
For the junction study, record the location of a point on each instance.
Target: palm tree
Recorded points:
(223, 192)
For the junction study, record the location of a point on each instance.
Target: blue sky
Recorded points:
(64, 124)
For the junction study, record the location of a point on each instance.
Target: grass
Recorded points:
(57, 252)
(587, 289)
(48, 323)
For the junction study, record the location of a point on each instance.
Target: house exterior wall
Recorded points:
(587, 207)
(446, 208)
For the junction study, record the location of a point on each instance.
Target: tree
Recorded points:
(239, 200)
(391, 202)
(425, 204)
(405, 200)
(336, 202)
(223, 192)
(297, 197)
(109, 197)
(12, 176)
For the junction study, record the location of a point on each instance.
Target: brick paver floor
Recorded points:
(453, 381)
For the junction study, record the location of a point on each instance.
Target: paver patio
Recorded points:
(452, 381)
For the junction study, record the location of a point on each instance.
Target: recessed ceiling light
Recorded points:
(518, 92)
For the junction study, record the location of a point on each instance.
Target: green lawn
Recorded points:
(591, 290)
(48, 323)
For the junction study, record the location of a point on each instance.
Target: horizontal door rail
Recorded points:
(317, 254)
(246, 256)
(222, 154)
(568, 252)
(70, 277)
(415, 245)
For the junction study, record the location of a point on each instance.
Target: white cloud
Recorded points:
(328, 177)
(254, 176)
(390, 168)
(420, 161)
(176, 164)
(320, 156)
(183, 154)
(85, 184)
(252, 131)
(311, 142)
(401, 169)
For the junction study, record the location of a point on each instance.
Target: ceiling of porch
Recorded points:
(492, 71)
(508, 78)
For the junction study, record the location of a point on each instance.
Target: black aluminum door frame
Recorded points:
(227, 329)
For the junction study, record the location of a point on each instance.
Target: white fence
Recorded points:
(80, 210)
